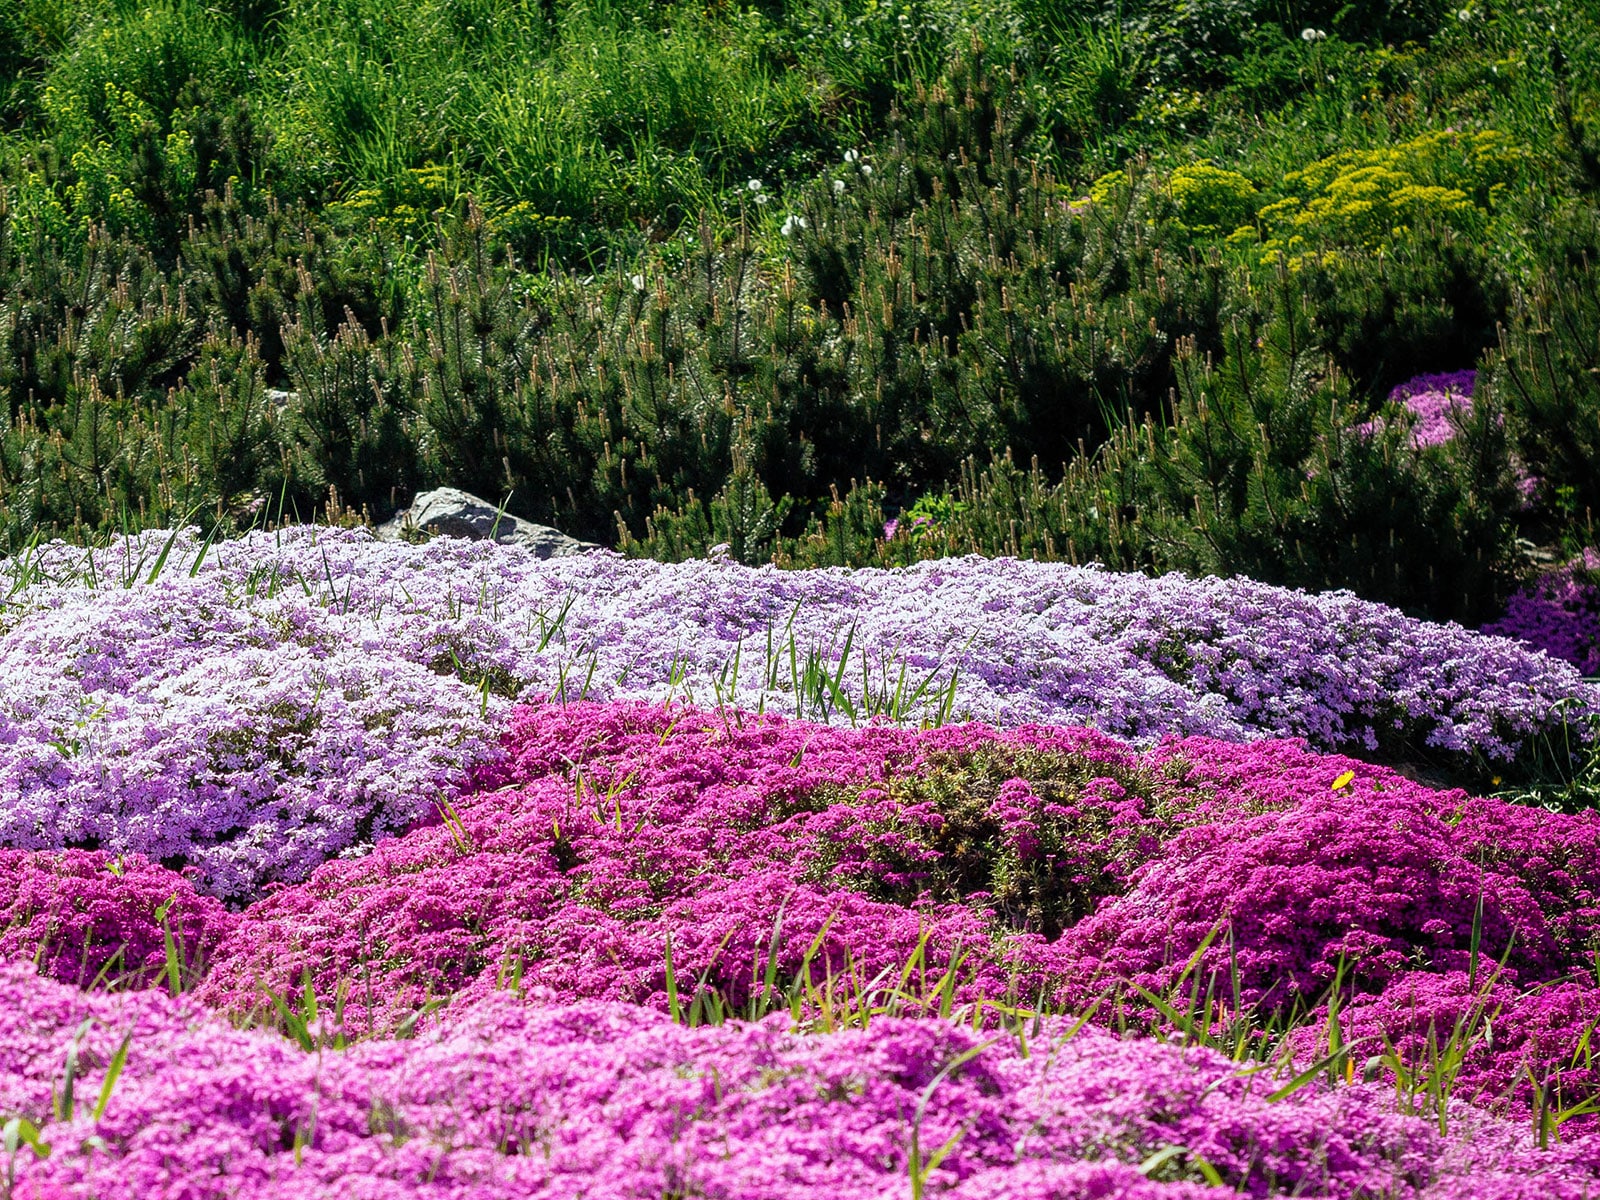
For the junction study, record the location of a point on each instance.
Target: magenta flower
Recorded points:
(503, 1098)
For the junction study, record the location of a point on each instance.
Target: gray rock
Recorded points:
(451, 512)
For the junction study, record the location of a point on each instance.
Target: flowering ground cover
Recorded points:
(881, 899)
(1036, 866)
(1434, 403)
(416, 870)
(250, 708)
(509, 1098)
(1560, 614)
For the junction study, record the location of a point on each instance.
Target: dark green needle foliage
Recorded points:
(1086, 281)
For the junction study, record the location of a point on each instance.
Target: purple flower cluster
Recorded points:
(249, 739)
(89, 918)
(503, 1097)
(252, 708)
(1041, 862)
(1434, 402)
(1560, 614)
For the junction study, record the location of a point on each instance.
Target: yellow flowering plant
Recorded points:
(1366, 199)
(1210, 199)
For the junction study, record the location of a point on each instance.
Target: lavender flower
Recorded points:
(1560, 614)
(1433, 403)
(285, 698)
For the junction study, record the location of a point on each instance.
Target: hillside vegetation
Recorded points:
(834, 281)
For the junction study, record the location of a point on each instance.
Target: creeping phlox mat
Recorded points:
(335, 867)
(508, 1097)
(659, 949)
(251, 708)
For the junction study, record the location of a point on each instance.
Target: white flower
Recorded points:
(851, 156)
(638, 282)
(1311, 35)
(763, 198)
(838, 187)
(755, 185)
(866, 169)
(793, 224)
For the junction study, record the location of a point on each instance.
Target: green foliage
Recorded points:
(1432, 302)
(95, 462)
(30, 32)
(1201, 43)
(1210, 199)
(677, 276)
(1547, 372)
(254, 273)
(1565, 772)
(1262, 468)
(945, 835)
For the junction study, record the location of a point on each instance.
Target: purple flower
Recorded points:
(273, 701)
(1560, 614)
(1433, 405)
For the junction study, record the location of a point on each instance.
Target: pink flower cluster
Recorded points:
(87, 917)
(1040, 863)
(609, 828)
(1434, 402)
(503, 1097)
(951, 866)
